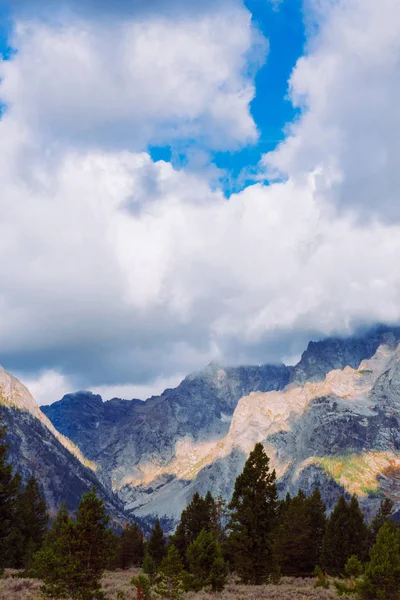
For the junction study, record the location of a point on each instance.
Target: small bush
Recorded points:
(143, 587)
(322, 580)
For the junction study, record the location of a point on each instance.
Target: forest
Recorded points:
(254, 540)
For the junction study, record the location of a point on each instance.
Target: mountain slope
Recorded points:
(131, 440)
(332, 421)
(35, 447)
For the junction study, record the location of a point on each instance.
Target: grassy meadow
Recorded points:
(119, 581)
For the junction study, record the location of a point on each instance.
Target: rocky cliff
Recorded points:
(332, 421)
(36, 447)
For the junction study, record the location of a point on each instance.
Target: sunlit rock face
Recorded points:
(135, 442)
(331, 421)
(37, 448)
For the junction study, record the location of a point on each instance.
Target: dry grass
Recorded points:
(114, 582)
(289, 589)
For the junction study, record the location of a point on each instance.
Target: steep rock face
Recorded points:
(35, 447)
(331, 421)
(336, 353)
(340, 434)
(135, 442)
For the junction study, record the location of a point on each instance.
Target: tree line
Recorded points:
(256, 536)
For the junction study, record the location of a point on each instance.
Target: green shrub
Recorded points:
(322, 581)
(143, 586)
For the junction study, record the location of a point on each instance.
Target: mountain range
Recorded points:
(330, 421)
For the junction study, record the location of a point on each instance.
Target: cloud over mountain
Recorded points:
(117, 269)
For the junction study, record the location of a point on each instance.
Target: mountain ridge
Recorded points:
(158, 454)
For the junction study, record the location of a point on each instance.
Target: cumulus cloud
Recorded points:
(134, 82)
(348, 88)
(117, 270)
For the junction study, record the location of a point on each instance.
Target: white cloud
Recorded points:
(348, 85)
(117, 271)
(50, 386)
(133, 82)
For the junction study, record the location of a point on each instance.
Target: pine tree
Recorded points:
(201, 513)
(204, 558)
(32, 519)
(219, 574)
(75, 554)
(382, 574)
(384, 514)
(252, 521)
(358, 533)
(131, 547)
(294, 546)
(317, 515)
(157, 544)
(149, 566)
(346, 534)
(9, 491)
(92, 543)
(170, 576)
(55, 563)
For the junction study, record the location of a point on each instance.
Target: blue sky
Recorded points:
(283, 27)
(165, 202)
(272, 110)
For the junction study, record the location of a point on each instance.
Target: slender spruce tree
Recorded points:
(382, 516)
(169, 579)
(382, 574)
(75, 554)
(157, 544)
(9, 493)
(346, 534)
(252, 522)
(299, 534)
(131, 547)
(201, 513)
(204, 559)
(32, 519)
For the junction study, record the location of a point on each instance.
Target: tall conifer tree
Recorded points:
(346, 534)
(382, 574)
(9, 491)
(131, 547)
(252, 523)
(32, 521)
(157, 545)
(299, 535)
(76, 553)
(201, 513)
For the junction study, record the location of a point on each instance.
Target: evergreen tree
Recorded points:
(252, 521)
(75, 554)
(32, 519)
(382, 574)
(317, 514)
(219, 574)
(55, 563)
(299, 535)
(204, 559)
(170, 576)
(149, 566)
(156, 546)
(131, 547)
(384, 514)
(9, 491)
(346, 534)
(358, 533)
(93, 541)
(201, 513)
